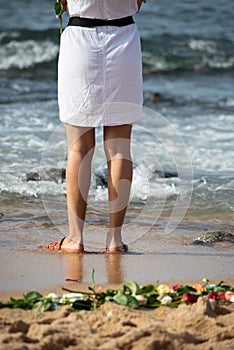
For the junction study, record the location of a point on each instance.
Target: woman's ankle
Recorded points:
(78, 239)
(114, 238)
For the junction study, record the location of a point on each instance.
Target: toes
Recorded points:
(52, 246)
(121, 250)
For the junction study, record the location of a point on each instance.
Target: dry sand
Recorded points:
(113, 326)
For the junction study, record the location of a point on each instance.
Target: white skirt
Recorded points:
(100, 76)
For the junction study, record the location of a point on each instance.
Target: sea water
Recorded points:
(187, 130)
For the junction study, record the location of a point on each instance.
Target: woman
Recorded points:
(99, 80)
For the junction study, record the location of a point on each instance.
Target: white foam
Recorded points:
(23, 189)
(156, 63)
(20, 88)
(24, 54)
(210, 56)
(229, 102)
(4, 35)
(203, 45)
(219, 62)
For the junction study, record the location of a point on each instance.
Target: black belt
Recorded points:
(95, 22)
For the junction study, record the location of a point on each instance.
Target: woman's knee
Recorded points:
(82, 149)
(117, 149)
(81, 142)
(117, 142)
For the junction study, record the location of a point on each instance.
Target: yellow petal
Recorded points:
(198, 287)
(163, 289)
(160, 311)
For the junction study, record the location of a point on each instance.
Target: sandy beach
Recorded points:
(156, 257)
(113, 326)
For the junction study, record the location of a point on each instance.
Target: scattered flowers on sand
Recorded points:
(131, 295)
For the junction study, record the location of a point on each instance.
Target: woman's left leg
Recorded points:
(118, 155)
(81, 143)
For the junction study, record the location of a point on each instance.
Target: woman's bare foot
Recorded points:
(123, 249)
(66, 245)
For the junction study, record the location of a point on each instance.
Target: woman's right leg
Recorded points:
(118, 154)
(81, 144)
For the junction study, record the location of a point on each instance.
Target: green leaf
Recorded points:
(58, 8)
(41, 306)
(82, 304)
(153, 298)
(186, 290)
(111, 292)
(126, 300)
(133, 287)
(132, 302)
(176, 303)
(47, 305)
(223, 288)
(121, 298)
(153, 305)
(219, 284)
(108, 298)
(147, 289)
(2, 305)
(19, 303)
(32, 296)
(7, 304)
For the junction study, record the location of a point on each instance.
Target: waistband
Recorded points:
(95, 22)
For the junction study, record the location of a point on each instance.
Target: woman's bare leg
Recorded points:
(118, 155)
(81, 144)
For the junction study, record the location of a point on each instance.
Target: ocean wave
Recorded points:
(26, 54)
(228, 102)
(20, 189)
(207, 192)
(170, 53)
(165, 53)
(153, 63)
(8, 35)
(203, 45)
(220, 62)
(157, 64)
(51, 182)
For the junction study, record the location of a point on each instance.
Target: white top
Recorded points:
(102, 9)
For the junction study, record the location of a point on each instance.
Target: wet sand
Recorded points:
(24, 270)
(154, 256)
